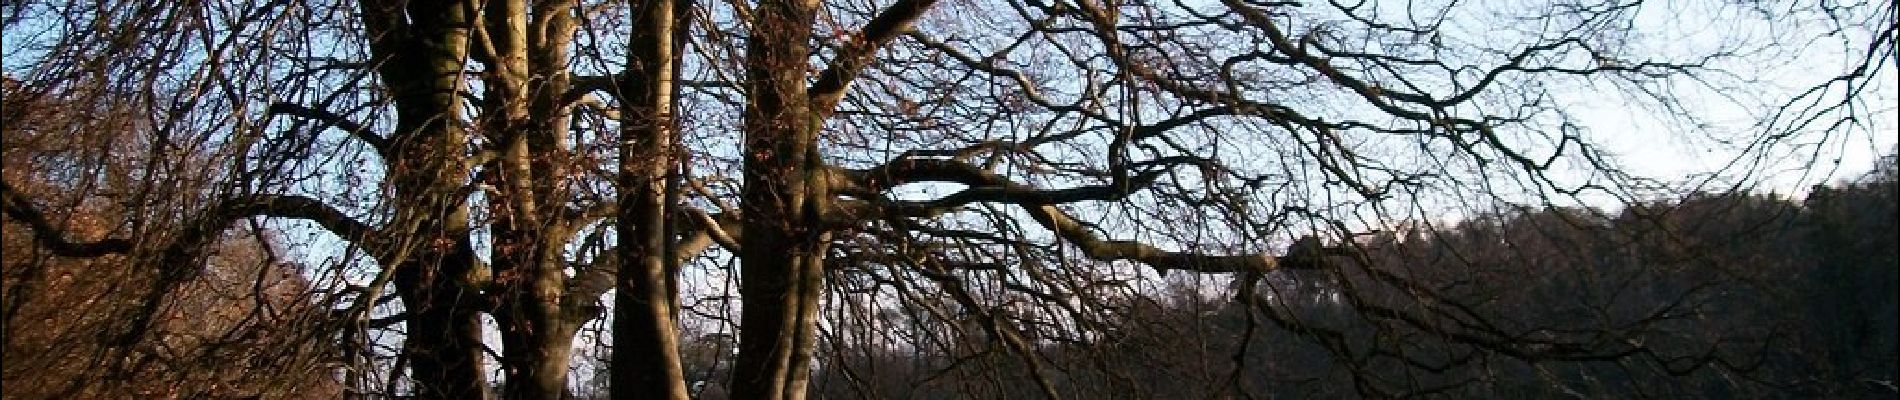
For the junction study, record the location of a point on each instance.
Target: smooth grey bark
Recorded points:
(523, 48)
(646, 361)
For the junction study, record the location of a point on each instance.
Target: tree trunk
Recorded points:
(439, 289)
(537, 361)
(646, 362)
(537, 330)
(543, 371)
(444, 338)
(525, 120)
(782, 273)
(420, 53)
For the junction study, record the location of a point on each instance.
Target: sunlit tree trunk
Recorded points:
(646, 362)
(523, 49)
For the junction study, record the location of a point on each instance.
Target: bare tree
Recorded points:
(79, 319)
(1020, 170)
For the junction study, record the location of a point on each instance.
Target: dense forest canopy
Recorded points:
(776, 199)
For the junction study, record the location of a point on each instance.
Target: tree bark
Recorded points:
(646, 361)
(444, 338)
(523, 49)
(537, 326)
(782, 272)
(420, 53)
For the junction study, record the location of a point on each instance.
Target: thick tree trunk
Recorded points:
(537, 361)
(544, 365)
(782, 272)
(444, 338)
(420, 49)
(439, 290)
(779, 319)
(537, 330)
(646, 361)
(523, 51)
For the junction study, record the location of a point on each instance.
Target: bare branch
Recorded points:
(202, 230)
(582, 85)
(700, 231)
(986, 186)
(330, 119)
(856, 54)
(220, 217)
(19, 208)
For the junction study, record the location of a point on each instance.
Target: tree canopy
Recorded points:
(774, 199)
